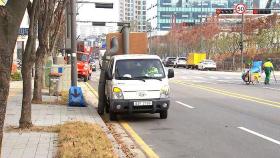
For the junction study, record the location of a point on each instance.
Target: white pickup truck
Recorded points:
(137, 84)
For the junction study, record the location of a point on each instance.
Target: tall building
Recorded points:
(134, 11)
(163, 13)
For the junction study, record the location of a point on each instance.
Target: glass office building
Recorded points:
(161, 13)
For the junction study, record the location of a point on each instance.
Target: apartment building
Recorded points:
(134, 11)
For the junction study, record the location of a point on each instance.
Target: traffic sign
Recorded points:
(240, 8)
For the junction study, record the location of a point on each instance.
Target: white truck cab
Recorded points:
(137, 84)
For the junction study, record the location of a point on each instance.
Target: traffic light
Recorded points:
(261, 11)
(224, 11)
(98, 23)
(241, 45)
(104, 5)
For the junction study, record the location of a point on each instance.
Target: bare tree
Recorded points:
(49, 9)
(10, 18)
(28, 61)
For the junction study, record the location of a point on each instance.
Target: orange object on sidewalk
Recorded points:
(14, 68)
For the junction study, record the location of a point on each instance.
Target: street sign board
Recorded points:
(240, 8)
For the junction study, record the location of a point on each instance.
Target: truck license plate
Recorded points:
(143, 103)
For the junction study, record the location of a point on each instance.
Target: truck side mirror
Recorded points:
(170, 73)
(109, 75)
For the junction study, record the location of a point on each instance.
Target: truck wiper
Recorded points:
(148, 77)
(130, 78)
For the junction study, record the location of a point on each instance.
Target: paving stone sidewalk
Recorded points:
(42, 144)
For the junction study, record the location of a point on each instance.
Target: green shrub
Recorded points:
(16, 76)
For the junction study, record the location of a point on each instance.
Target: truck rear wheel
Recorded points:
(100, 109)
(113, 116)
(163, 114)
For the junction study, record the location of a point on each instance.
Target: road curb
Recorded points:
(91, 100)
(124, 136)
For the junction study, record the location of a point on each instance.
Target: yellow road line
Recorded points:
(232, 93)
(242, 95)
(91, 89)
(150, 153)
(239, 96)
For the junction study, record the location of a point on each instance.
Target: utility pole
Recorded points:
(74, 74)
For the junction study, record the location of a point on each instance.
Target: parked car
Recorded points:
(180, 62)
(92, 65)
(169, 61)
(83, 66)
(207, 65)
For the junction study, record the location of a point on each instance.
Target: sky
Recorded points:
(88, 12)
(263, 3)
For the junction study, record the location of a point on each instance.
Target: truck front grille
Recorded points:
(142, 107)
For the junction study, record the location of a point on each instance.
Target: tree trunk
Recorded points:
(5, 72)
(10, 18)
(38, 80)
(25, 119)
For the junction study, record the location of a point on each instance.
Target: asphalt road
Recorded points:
(213, 114)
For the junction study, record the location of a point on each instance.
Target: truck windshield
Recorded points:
(139, 69)
(82, 57)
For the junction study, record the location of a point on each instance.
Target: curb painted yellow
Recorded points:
(148, 151)
(230, 94)
(91, 89)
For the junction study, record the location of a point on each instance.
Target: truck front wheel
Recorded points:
(113, 116)
(85, 79)
(163, 114)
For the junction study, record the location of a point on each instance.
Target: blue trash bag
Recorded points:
(76, 97)
(256, 67)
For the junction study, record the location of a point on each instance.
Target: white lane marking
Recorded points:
(213, 77)
(260, 135)
(198, 77)
(271, 88)
(228, 78)
(188, 106)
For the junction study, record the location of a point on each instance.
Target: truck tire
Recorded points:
(89, 77)
(85, 79)
(163, 114)
(113, 116)
(107, 106)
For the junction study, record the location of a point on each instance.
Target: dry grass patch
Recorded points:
(76, 140)
(84, 140)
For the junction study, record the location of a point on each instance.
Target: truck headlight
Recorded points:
(117, 93)
(164, 92)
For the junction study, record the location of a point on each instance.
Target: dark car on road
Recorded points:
(169, 61)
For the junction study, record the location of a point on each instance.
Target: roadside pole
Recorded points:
(241, 42)
(74, 74)
(241, 9)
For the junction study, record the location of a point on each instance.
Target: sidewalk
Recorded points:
(42, 144)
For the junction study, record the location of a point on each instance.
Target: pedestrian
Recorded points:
(268, 67)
